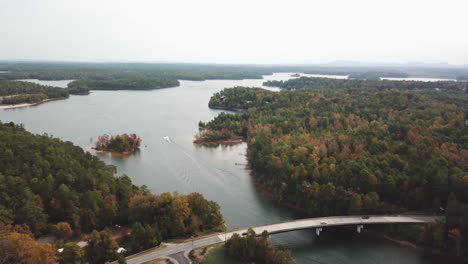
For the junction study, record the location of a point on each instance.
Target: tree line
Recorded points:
(326, 83)
(142, 83)
(111, 71)
(187, 71)
(48, 186)
(357, 150)
(16, 92)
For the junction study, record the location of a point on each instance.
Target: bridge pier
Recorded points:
(359, 227)
(318, 230)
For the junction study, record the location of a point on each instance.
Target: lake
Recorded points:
(219, 173)
(61, 83)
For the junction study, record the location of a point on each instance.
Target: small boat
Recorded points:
(167, 139)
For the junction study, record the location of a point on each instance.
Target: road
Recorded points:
(177, 251)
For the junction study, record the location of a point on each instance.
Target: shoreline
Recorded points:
(231, 141)
(228, 109)
(115, 153)
(263, 190)
(219, 142)
(412, 246)
(2, 107)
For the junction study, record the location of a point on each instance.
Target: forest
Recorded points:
(200, 72)
(110, 71)
(48, 186)
(16, 92)
(126, 83)
(308, 82)
(349, 149)
(257, 249)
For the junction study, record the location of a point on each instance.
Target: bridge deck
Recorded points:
(283, 227)
(340, 221)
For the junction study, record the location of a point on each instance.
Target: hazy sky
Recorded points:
(235, 31)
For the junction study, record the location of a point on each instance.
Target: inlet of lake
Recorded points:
(219, 173)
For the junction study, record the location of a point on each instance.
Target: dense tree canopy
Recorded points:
(17, 245)
(103, 71)
(106, 71)
(176, 215)
(257, 249)
(141, 83)
(45, 180)
(352, 150)
(53, 186)
(308, 82)
(16, 92)
(101, 248)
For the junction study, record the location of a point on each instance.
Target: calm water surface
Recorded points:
(61, 83)
(219, 173)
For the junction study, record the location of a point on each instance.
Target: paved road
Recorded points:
(177, 248)
(176, 251)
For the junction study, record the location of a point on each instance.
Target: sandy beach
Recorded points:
(24, 105)
(14, 106)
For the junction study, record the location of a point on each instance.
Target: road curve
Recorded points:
(286, 226)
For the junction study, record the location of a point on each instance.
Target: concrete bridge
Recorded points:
(178, 253)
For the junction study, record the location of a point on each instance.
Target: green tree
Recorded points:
(355, 206)
(71, 254)
(62, 230)
(101, 247)
(451, 212)
(143, 237)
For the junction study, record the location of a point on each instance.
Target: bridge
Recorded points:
(178, 253)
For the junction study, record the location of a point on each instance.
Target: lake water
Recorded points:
(61, 83)
(326, 76)
(219, 173)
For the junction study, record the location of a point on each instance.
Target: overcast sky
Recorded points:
(235, 31)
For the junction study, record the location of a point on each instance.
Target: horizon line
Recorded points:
(336, 63)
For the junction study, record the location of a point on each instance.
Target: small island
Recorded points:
(122, 144)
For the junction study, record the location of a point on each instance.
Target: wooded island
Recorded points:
(125, 143)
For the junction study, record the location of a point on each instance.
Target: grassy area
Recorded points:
(217, 256)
